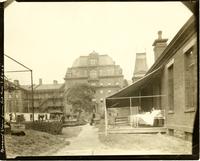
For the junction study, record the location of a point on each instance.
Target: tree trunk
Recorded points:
(79, 115)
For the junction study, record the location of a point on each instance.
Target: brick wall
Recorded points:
(179, 120)
(15, 101)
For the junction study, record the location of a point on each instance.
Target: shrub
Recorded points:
(49, 127)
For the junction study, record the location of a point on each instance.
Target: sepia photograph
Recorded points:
(100, 78)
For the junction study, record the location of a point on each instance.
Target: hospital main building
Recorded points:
(99, 71)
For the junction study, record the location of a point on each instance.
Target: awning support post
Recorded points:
(32, 95)
(106, 120)
(140, 105)
(130, 106)
(130, 111)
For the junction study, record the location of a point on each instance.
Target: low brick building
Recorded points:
(48, 98)
(170, 84)
(15, 97)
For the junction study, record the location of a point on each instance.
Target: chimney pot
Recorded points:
(159, 35)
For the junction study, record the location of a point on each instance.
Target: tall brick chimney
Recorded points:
(140, 66)
(159, 45)
(40, 81)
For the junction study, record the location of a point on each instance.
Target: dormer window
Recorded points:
(93, 61)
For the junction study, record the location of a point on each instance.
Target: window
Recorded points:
(101, 84)
(93, 84)
(101, 91)
(117, 83)
(189, 79)
(93, 61)
(75, 73)
(101, 100)
(93, 100)
(171, 87)
(83, 73)
(110, 71)
(109, 84)
(93, 74)
(109, 91)
(101, 73)
(69, 75)
(120, 71)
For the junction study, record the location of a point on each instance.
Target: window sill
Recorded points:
(189, 110)
(170, 112)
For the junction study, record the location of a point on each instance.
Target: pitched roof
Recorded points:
(188, 29)
(13, 85)
(43, 87)
(48, 86)
(27, 87)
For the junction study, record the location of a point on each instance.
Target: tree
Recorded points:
(80, 97)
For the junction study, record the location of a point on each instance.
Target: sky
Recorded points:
(48, 37)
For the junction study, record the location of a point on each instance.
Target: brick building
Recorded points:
(47, 98)
(15, 97)
(98, 70)
(170, 84)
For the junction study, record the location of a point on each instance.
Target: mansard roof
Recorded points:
(82, 61)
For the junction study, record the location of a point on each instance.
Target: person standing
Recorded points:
(92, 120)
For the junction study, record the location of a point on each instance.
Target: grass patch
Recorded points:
(159, 143)
(33, 143)
(162, 144)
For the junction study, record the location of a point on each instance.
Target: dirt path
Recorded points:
(87, 143)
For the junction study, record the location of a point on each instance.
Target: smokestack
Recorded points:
(159, 45)
(40, 81)
(55, 82)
